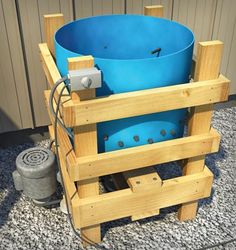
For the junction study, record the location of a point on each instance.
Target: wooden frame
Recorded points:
(124, 105)
(146, 192)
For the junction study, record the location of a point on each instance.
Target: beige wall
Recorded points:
(21, 28)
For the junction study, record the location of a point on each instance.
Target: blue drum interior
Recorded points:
(121, 46)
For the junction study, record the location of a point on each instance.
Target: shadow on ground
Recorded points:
(172, 170)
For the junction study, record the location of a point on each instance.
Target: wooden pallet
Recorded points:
(145, 193)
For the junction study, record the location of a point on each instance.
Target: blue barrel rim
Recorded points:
(131, 59)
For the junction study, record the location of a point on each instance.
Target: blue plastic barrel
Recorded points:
(121, 46)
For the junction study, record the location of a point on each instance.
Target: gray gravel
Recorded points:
(25, 226)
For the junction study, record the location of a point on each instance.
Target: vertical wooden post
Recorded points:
(146, 174)
(85, 143)
(207, 68)
(51, 24)
(155, 11)
(85, 136)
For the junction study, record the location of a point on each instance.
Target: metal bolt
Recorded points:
(105, 137)
(155, 178)
(150, 140)
(86, 82)
(121, 144)
(137, 182)
(136, 138)
(163, 132)
(172, 132)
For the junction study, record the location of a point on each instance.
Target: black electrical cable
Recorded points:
(83, 238)
(50, 144)
(51, 107)
(217, 244)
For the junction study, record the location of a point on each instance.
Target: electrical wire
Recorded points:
(51, 107)
(83, 238)
(218, 244)
(50, 144)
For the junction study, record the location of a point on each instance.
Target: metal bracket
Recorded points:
(85, 79)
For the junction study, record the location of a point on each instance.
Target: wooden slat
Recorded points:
(154, 10)
(51, 24)
(124, 203)
(142, 179)
(143, 156)
(71, 191)
(51, 72)
(145, 214)
(207, 68)
(64, 141)
(48, 7)
(125, 105)
(66, 154)
(85, 143)
(137, 6)
(139, 180)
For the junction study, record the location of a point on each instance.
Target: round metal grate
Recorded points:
(35, 157)
(35, 162)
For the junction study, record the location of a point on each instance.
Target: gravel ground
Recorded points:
(25, 226)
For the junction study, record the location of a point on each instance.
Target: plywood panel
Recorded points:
(18, 67)
(224, 30)
(137, 6)
(31, 15)
(10, 118)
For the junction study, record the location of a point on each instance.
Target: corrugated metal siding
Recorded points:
(21, 29)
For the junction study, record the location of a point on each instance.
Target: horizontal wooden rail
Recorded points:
(145, 102)
(100, 208)
(143, 156)
(139, 180)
